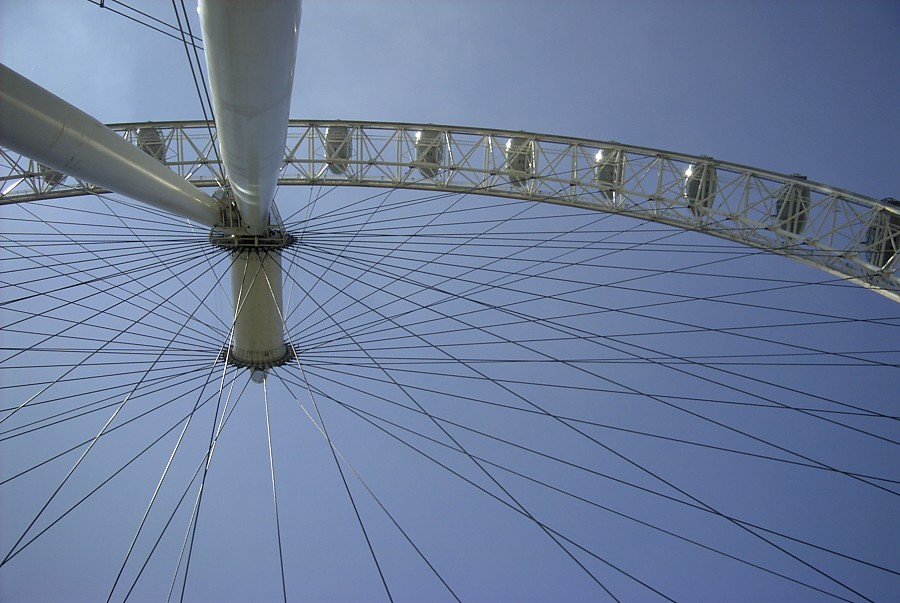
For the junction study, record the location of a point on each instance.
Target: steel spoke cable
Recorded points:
(88, 378)
(130, 297)
(83, 455)
(324, 431)
(120, 271)
(585, 469)
(384, 198)
(92, 353)
(382, 343)
(145, 23)
(105, 481)
(145, 271)
(531, 349)
(372, 494)
(589, 286)
(660, 478)
(493, 479)
(684, 298)
(170, 384)
(215, 429)
(657, 272)
(481, 401)
(118, 332)
(514, 507)
(360, 412)
(678, 232)
(209, 376)
(697, 505)
(187, 488)
(595, 338)
(380, 334)
(199, 82)
(320, 425)
(337, 367)
(184, 286)
(274, 491)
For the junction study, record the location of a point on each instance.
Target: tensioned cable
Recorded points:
(79, 461)
(515, 507)
(656, 476)
(118, 267)
(681, 298)
(692, 505)
(579, 467)
(146, 23)
(274, 491)
(121, 300)
(482, 401)
(575, 365)
(187, 489)
(595, 338)
(210, 375)
(377, 500)
(130, 324)
(171, 383)
(334, 453)
(360, 412)
(592, 337)
(202, 94)
(490, 476)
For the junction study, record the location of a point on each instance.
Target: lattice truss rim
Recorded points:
(844, 233)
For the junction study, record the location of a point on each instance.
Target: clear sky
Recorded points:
(800, 86)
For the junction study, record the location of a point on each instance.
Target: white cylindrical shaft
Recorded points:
(40, 125)
(251, 48)
(258, 324)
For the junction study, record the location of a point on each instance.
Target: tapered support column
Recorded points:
(251, 48)
(258, 325)
(40, 125)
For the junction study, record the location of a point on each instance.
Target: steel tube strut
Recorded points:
(251, 48)
(40, 125)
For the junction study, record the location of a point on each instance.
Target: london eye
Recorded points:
(488, 342)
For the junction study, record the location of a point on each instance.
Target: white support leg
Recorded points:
(40, 125)
(251, 48)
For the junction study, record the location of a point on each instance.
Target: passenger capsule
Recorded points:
(792, 207)
(338, 148)
(519, 160)
(609, 171)
(700, 187)
(883, 237)
(150, 141)
(429, 152)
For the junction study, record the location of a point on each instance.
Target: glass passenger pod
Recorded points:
(338, 148)
(150, 141)
(883, 237)
(429, 152)
(52, 178)
(609, 171)
(700, 186)
(519, 160)
(792, 206)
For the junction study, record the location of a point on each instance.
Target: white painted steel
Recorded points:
(40, 125)
(846, 234)
(258, 324)
(251, 48)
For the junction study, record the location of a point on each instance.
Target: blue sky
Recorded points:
(802, 86)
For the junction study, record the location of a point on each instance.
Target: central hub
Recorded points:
(258, 341)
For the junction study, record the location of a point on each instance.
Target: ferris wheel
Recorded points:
(449, 363)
